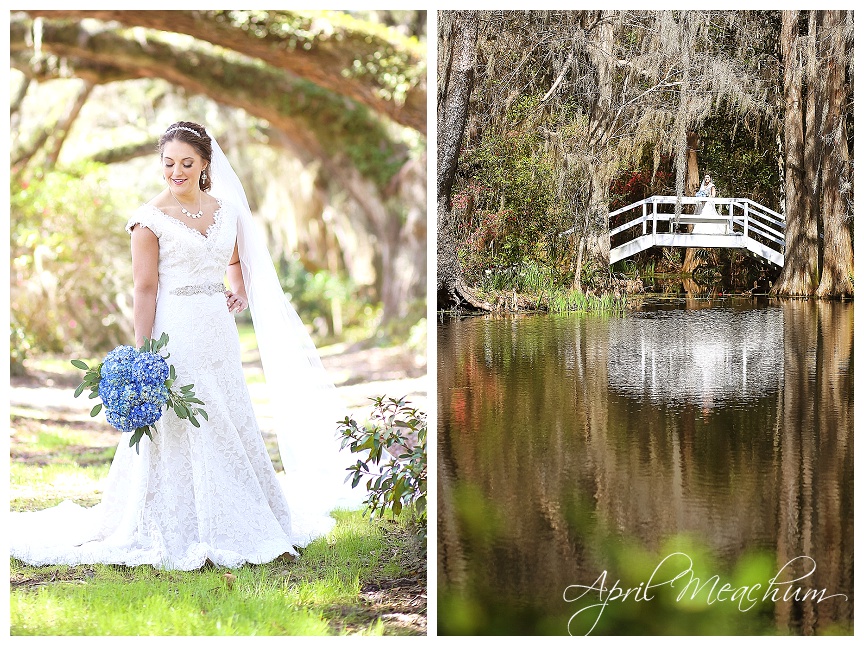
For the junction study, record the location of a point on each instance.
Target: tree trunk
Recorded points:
(593, 245)
(403, 277)
(456, 60)
(799, 276)
(838, 266)
(812, 149)
(692, 259)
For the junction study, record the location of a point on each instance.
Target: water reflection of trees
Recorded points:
(542, 464)
(814, 474)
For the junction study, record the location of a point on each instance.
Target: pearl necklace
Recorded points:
(194, 216)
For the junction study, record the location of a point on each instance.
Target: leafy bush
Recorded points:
(393, 442)
(507, 197)
(70, 269)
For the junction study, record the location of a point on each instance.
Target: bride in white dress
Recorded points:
(707, 189)
(208, 493)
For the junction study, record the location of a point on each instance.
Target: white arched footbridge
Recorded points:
(651, 222)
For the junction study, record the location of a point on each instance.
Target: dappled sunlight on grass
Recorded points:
(317, 593)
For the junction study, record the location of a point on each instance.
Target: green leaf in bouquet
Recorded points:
(94, 394)
(80, 364)
(80, 389)
(203, 413)
(194, 421)
(172, 375)
(180, 411)
(95, 411)
(193, 400)
(169, 383)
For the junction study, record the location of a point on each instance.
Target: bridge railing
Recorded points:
(656, 214)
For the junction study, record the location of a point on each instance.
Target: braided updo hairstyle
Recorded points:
(180, 131)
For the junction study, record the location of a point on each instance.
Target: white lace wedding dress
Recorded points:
(192, 493)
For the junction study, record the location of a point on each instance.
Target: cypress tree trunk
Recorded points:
(800, 273)
(812, 149)
(692, 259)
(837, 256)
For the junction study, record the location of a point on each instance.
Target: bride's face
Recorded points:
(181, 167)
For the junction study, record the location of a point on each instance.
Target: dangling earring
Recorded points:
(204, 175)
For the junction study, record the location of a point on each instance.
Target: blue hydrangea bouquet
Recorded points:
(134, 386)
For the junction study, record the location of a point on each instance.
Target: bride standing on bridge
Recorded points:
(708, 190)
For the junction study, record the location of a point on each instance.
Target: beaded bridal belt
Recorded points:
(205, 288)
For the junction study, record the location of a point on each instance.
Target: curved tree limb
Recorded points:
(386, 75)
(326, 124)
(61, 130)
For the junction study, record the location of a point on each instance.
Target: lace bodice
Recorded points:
(187, 256)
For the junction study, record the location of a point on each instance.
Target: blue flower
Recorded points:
(132, 387)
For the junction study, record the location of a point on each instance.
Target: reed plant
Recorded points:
(571, 300)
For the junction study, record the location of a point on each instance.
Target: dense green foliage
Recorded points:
(508, 197)
(329, 302)
(741, 163)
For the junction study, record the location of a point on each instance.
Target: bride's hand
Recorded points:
(236, 302)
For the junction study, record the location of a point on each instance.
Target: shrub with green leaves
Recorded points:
(393, 463)
(70, 277)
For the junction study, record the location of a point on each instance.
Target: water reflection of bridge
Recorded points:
(706, 357)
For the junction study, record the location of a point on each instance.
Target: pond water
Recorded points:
(583, 450)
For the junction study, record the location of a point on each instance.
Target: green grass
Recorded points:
(364, 578)
(317, 594)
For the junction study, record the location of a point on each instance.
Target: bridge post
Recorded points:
(654, 226)
(644, 218)
(746, 213)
